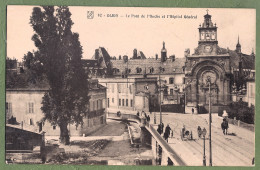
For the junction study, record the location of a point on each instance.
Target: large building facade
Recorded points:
(24, 104)
(207, 70)
(169, 72)
(129, 95)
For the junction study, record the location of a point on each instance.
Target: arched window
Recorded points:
(138, 70)
(151, 70)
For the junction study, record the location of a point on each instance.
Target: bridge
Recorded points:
(163, 153)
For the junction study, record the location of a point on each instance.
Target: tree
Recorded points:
(58, 57)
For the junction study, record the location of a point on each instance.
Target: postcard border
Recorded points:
(121, 3)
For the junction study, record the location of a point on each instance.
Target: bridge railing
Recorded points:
(176, 159)
(123, 116)
(171, 153)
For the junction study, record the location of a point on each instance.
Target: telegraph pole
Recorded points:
(160, 97)
(210, 120)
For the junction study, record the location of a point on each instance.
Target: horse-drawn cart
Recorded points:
(186, 134)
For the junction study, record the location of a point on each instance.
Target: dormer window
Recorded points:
(138, 70)
(171, 80)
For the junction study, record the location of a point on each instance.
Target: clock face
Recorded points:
(208, 49)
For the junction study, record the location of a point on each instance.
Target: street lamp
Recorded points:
(160, 69)
(204, 131)
(210, 147)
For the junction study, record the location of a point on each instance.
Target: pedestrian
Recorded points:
(148, 118)
(183, 130)
(167, 132)
(145, 115)
(192, 110)
(138, 114)
(162, 126)
(199, 131)
(172, 134)
(159, 129)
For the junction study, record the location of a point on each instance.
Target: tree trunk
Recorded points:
(64, 134)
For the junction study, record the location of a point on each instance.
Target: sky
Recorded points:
(122, 34)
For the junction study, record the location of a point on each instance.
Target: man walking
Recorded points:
(167, 132)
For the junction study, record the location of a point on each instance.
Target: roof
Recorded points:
(170, 67)
(30, 129)
(89, 62)
(248, 61)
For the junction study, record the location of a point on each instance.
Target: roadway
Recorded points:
(235, 149)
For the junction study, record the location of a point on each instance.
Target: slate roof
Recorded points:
(89, 62)
(170, 67)
(248, 61)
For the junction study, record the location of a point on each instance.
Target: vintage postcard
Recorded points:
(130, 86)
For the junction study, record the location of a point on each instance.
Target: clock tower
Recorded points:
(207, 37)
(209, 62)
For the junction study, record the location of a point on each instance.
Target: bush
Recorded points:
(242, 112)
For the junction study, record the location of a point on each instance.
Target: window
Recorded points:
(126, 102)
(131, 103)
(251, 91)
(130, 89)
(119, 102)
(123, 102)
(113, 86)
(108, 88)
(90, 106)
(119, 88)
(171, 80)
(171, 91)
(97, 104)
(108, 102)
(31, 107)
(151, 70)
(138, 70)
(112, 100)
(31, 122)
(8, 108)
(54, 127)
(94, 106)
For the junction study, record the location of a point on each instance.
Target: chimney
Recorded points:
(172, 57)
(96, 54)
(156, 56)
(135, 53)
(125, 58)
(120, 57)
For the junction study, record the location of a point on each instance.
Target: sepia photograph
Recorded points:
(151, 86)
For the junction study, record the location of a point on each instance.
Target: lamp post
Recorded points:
(210, 120)
(160, 69)
(160, 96)
(204, 131)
